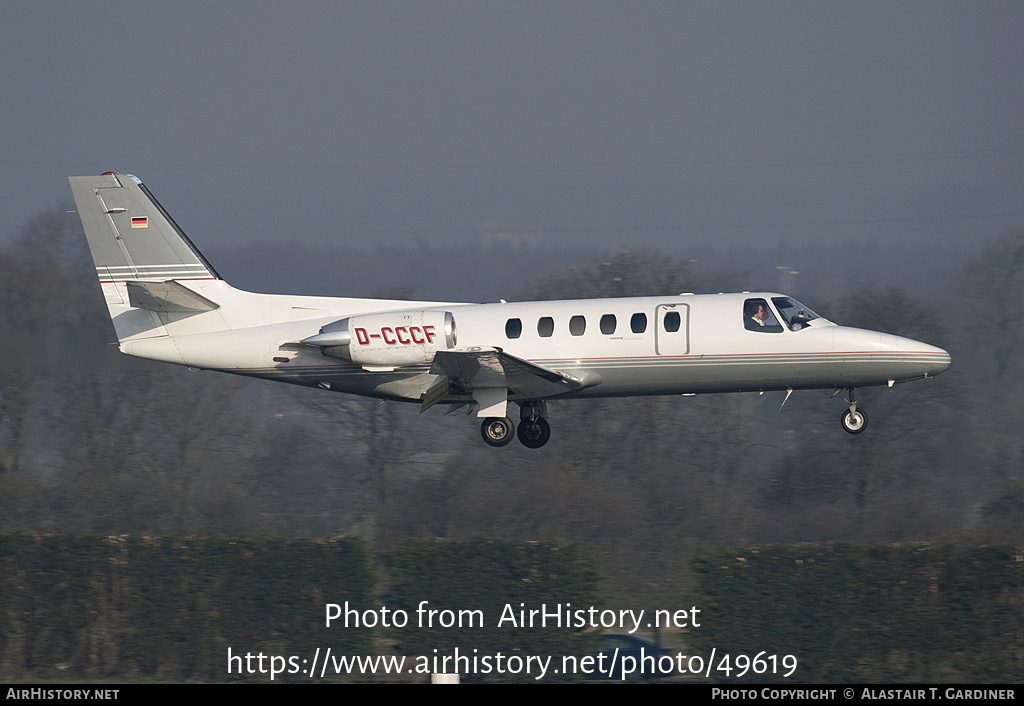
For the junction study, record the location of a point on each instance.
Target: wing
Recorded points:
(489, 375)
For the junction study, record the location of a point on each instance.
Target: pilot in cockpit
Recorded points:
(758, 317)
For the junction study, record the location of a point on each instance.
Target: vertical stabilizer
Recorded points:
(130, 235)
(148, 269)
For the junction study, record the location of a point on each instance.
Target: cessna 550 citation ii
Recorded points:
(167, 303)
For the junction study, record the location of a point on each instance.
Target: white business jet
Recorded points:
(167, 303)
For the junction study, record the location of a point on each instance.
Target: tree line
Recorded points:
(92, 441)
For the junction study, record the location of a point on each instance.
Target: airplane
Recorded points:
(168, 303)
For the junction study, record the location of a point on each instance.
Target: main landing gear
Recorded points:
(534, 430)
(534, 433)
(854, 420)
(497, 431)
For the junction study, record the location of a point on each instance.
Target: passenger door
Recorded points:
(672, 329)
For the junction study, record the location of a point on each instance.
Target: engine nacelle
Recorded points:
(389, 339)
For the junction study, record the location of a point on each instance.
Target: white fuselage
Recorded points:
(598, 341)
(168, 303)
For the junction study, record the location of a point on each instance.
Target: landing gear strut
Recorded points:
(854, 420)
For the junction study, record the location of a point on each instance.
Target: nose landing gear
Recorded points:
(854, 420)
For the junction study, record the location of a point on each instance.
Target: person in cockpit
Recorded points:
(758, 317)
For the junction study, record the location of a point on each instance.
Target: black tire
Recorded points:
(854, 423)
(497, 431)
(534, 434)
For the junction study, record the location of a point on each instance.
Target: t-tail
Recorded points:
(142, 258)
(168, 303)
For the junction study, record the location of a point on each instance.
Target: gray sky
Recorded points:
(578, 125)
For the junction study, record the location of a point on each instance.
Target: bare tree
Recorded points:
(34, 290)
(627, 274)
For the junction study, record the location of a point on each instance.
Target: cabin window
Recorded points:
(608, 324)
(671, 321)
(513, 328)
(758, 316)
(545, 326)
(638, 323)
(577, 325)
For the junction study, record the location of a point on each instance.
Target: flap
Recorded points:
(468, 369)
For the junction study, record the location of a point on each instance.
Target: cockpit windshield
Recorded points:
(795, 314)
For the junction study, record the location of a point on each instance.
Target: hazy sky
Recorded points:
(577, 124)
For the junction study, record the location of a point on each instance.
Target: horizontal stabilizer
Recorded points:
(167, 296)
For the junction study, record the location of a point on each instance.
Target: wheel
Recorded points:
(534, 434)
(854, 422)
(497, 431)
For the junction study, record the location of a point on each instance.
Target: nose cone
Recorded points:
(872, 358)
(932, 359)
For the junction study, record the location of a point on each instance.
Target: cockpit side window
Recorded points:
(758, 316)
(795, 314)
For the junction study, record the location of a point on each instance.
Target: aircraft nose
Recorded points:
(933, 360)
